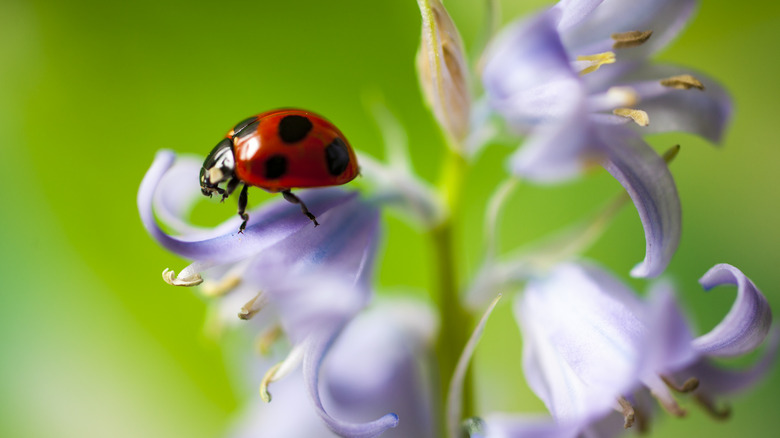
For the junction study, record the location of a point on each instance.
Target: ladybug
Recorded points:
(277, 151)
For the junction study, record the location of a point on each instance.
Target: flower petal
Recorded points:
(666, 18)
(669, 348)
(500, 425)
(747, 323)
(317, 346)
(716, 380)
(581, 340)
(704, 112)
(289, 415)
(269, 224)
(647, 179)
(574, 11)
(375, 367)
(177, 193)
(527, 75)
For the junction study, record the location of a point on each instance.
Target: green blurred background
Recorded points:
(94, 344)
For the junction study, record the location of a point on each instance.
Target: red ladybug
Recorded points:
(277, 151)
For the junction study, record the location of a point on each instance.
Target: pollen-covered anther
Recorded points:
(220, 288)
(638, 116)
(280, 370)
(682, 82)
(624, 40)
(627, 410)
(591, 63)
(170, 277)
(253, 306)
(689, 385)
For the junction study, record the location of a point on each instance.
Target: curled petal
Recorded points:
(378, 365)
(665, 18)
(747, 323)
(268, 225)
(317, 346)
(441, 63)
(647, 179)
(177, 193)
(581, 340)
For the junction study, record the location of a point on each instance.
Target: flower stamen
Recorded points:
(280, 370)
(709, 407)
(266, 339)
(220, 288)
(638, 116)
(627, 410)
(682, 82)
(253, 306)
(169, 276)
(634, 38)
(689, 385)
(593, 62)
(669, 404)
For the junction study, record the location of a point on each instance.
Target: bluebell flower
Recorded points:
(576, 80)
(281, 271)
(596, 353)
(380, 363)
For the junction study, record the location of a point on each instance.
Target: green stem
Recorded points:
(455, 321)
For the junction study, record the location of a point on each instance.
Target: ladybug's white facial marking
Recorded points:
(219, 166)
(215, 174)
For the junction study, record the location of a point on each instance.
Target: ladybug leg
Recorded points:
(296, 200)
(243, 199)
(231, 187)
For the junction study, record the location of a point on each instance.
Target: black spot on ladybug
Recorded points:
(293, 128)
(246, 130)
(243, 124)
(275, 167)
(337, 157)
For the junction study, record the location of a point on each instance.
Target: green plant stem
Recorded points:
(455, 321)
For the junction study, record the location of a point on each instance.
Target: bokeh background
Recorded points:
(94, 344)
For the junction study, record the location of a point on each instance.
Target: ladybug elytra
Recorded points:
(277, 151)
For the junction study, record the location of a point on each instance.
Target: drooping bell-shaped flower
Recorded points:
(310, 281)
(575, 79)
(378, 364)
(593, 348)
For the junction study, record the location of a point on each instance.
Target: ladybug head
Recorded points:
(218, 167)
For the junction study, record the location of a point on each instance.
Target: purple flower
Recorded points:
(309, 281)
(378, 364)
(549, 76)
(592, 347)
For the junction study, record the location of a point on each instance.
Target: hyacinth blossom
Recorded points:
(548, 76)
(595, 352)
(310, 283)
(378, 364)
